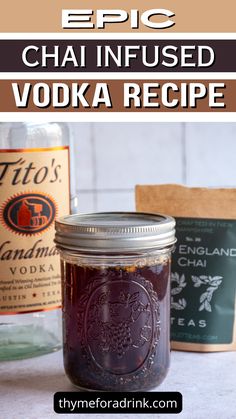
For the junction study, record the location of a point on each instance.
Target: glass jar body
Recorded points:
(29, 333)
(116, 319)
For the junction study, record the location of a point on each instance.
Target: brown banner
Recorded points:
(118, 96)
(118, 55)
(189, 16)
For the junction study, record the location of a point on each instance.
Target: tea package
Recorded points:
(203, 279)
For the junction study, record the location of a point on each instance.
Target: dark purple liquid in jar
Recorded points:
(116, 325)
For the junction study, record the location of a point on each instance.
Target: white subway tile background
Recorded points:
(111, 158)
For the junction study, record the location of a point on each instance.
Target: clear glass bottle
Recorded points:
(34, 190)
(116, 299)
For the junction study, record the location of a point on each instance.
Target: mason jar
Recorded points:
(116, 299)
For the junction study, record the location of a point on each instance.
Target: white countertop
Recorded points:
(206, 381)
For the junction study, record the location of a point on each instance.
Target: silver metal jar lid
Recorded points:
(115, 232)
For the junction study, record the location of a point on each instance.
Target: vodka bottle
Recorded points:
(34, 191)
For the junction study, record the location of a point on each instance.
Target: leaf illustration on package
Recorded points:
(213, 283)
(180, 283)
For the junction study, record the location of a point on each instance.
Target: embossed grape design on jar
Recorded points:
(116, 299)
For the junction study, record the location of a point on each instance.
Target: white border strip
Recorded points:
(123, 35)
(118, 76)
(119, 116)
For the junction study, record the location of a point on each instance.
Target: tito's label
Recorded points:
(34, 190)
